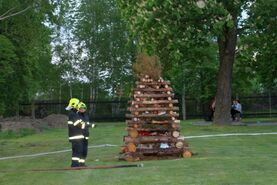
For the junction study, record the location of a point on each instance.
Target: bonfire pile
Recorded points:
(152, 122)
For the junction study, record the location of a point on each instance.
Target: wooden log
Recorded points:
(175, 125)
(131, 147)
(150, 126)
(161, 122)
(132, 109)
(150, 139)
(175, 134)
(169, 96)
(153, 83)
(153, 102)
(133, 133)
(172, 116)
(153, 89)
(187, 154)
(179, 144)
(158, 129)
(160, 151)
(140, 122)
(130, 157)
(170, 124)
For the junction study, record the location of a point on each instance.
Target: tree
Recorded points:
(28, 40)
(8, 60)
(174, 27)
(259, 42)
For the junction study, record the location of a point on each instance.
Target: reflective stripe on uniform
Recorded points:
(75, 158)
(77, 137)
(83, 125)
(86, 137)
(70, 122)
(81, 160)
(77, 122)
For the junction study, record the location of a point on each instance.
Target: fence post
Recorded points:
(17, 112)
(33, 116)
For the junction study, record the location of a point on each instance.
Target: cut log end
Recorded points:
(131, 147)
(179, 144)
(187, 154)
(175, 134)
(133, 133)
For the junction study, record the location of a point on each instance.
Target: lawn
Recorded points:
(218, 160)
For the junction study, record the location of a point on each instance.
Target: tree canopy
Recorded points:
(51, 49)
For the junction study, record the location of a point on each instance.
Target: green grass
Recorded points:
(219, 160)
(22, 133)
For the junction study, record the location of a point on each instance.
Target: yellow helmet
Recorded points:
(81, 105)
(73, 103)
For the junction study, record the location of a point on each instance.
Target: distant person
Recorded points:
(212, 109)
(75, 132)
(236, 110)
(85, 119)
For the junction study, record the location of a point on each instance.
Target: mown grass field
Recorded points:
(220, 160)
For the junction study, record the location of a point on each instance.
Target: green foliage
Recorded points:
(25, 47)
(176, 30)
(259, 42)
(197, 74)
(105, 53)
(8, 60)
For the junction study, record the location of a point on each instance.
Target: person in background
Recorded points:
(236, 109)
(85, 121)
(75, 132)
(212, 109)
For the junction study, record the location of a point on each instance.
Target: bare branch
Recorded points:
(13, 14)
(7, 12)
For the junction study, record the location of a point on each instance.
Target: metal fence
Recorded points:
(114, 110)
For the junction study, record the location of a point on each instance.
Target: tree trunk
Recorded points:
(227, 44)
(91, 105)
(70, 90)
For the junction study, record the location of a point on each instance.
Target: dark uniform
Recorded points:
(76, 136)
(85, 118)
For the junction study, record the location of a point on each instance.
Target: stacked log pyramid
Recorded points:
(152, 123)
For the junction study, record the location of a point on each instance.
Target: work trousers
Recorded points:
(85, 149)
(77, 152)
(233, 113)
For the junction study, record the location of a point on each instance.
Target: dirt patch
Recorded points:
(16, 124)
(56, 120)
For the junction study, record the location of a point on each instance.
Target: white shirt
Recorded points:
(238, 107)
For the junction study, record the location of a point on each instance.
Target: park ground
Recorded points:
(219, 160)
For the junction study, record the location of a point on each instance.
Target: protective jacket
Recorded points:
(75, 126)
(85, 118)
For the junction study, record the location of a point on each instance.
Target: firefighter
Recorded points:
(75, 132)
(85, 121)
